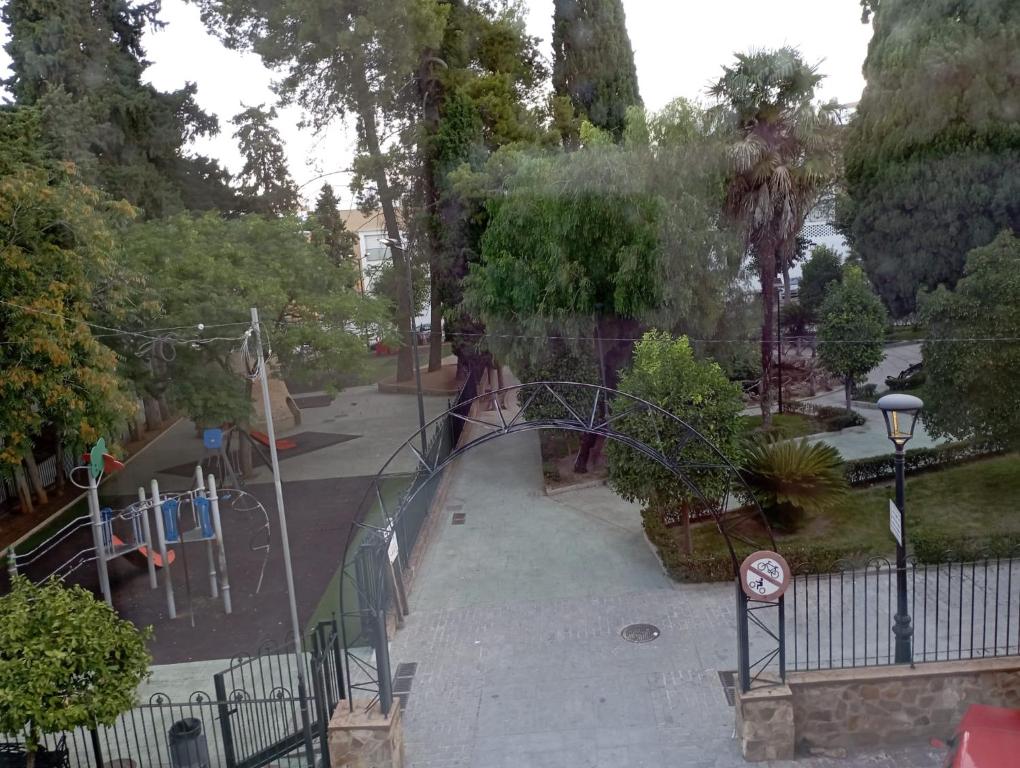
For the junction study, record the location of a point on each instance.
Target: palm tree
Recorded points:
(782, 157)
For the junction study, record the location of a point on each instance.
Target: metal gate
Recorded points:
(254, 731)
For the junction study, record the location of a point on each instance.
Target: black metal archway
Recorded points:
(382, 536)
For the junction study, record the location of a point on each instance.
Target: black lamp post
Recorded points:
(900, 412)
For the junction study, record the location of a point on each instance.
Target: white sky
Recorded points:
(679, 48)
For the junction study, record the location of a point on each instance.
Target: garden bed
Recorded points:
(961, 512)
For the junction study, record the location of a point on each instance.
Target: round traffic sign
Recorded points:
(764, 576)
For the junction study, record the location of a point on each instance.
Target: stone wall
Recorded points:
(838, 710)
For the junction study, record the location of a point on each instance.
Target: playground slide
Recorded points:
(139, 556)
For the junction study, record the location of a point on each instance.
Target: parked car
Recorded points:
(986, 737)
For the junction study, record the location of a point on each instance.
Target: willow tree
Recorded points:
(344, 58)
(782, 155)
(933, 153)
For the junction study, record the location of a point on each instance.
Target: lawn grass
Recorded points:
(784, 425)
(975, 502)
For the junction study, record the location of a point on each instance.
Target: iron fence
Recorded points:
(959, 610)
(259, 715)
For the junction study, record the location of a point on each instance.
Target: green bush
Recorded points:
(829, 418)
(931, 549)
(791, 478)
(718, 566)
(866, 392)
(879, 468)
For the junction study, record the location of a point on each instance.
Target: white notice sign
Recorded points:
(394, 549)
(896, 522)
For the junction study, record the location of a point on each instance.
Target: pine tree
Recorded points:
(593, 62)
(933, 154)
(81, 65)
(266, 186)
(332, 229)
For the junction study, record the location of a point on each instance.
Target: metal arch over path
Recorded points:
(380, 539)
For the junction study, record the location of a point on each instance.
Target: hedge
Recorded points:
(931, 549)
(830, 418)
(879, 468)
(717, 566)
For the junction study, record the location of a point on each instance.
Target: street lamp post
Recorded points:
(900, 412)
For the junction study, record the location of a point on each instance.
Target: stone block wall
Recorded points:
(832, 711)
(894, 705)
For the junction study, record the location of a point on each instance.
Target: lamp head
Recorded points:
(900, 412)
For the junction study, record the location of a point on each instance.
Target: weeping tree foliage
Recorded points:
(56, 243)
(933, 152)
(783, 155)
(593, 65)
(81, 64)
(666, 373)
(209, 270)
(584, 250)
(66, 661)
(345, 58)
(265, 183)
(970, 388)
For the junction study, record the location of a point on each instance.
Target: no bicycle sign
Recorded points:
(764, 576)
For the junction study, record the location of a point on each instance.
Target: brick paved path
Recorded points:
(515, 630)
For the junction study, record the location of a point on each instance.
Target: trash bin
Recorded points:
(188, 746)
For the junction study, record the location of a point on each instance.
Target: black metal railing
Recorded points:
(959, 610)
(258, 715)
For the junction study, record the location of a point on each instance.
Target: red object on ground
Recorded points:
(140, 556)
(987, 737)
(282, 443)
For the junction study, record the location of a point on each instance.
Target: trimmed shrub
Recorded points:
(829, 418)
(718, 566)
(879, 468)
(930, 549)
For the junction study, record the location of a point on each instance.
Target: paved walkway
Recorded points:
(870, 439)
(515, 630)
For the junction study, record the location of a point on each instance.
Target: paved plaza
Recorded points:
(515, 631)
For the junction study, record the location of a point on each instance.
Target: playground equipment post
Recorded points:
(284, 538)
(97, 538)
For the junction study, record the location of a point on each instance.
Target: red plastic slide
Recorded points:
(140, 555)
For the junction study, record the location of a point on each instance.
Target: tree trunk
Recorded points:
(848, 385)
(688, 542)
(366, 113)
(429, 90)
(153, 419)
(767, 266)
(24, 494)
(36, 478)
(165, 413)
(786, 280)
(58, 461)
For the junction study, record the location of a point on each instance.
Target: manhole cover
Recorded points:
(640, 633)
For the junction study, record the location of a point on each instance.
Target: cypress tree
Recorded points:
(933, 154)
(593, 63)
